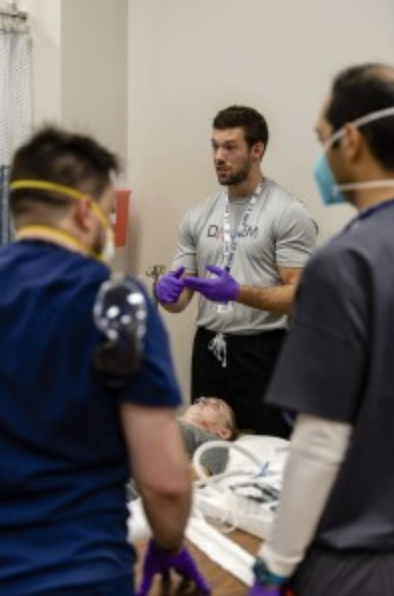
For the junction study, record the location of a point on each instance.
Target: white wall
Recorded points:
(185, 60)
(80, 71)
(45, 19)
(80, 67)
(189, 59)
(94, 67)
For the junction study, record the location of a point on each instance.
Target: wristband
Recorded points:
(264, 577)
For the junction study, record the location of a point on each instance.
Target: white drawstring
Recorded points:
(218, 347)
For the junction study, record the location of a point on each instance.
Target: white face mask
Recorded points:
(109, 250)
(332, 192)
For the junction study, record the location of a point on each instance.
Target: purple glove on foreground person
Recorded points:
(259, 590)
(169, 287)
(222, 288)
(267, 583)
(161, 561)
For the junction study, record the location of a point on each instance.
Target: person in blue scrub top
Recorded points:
(79, 410)
(334, 531)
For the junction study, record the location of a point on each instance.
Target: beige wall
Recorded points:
(80, 71)
(45, 17)
(94, 66)
(80, 66)
(189, 58)
(147, 76)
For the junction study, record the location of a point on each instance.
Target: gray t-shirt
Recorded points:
(279, 232)
(215, 459)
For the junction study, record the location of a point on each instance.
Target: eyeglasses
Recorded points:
(215, 402)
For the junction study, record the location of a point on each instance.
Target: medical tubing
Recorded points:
(223, 445)
(204, 479)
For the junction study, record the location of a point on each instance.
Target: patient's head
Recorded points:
(213, 415)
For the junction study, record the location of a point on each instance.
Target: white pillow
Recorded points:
(269, 451)
(249, 454)
(246, 494)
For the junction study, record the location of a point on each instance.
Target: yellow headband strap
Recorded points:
(54, 234)
(62, 189)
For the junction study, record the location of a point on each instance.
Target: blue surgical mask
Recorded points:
(331, 192)
(326, 183)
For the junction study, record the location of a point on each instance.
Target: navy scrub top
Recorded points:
(63, 462)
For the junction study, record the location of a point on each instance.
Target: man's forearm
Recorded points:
(161, 469)
(318, 448)
(277, 299)
(167, 516)
(181, 304)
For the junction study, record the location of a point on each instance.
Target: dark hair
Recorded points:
(252, 122)
(62, 157)
(361, 90)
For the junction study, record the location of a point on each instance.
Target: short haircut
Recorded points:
(252, 122)
(62, 157)
(361, 90)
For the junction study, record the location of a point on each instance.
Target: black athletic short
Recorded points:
(242, 383)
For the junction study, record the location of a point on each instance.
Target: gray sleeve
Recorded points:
(215, 460)
(296, 234)
(188, 439)
(186, 251)
(317, 450)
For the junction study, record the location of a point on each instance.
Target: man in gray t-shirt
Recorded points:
(243, 251)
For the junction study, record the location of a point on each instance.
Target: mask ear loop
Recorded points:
(333, 139)
(358, 123)
(377, 115)
(99, 213)
(72, 193)
(366, 185)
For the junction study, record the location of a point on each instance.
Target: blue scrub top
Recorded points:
(63, 462)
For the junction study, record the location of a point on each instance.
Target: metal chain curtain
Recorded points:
(15, 102)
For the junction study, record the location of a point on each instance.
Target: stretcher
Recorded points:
(244, 496)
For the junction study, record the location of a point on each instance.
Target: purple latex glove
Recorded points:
(169, 287)
(161, 561)
(222, 288)
(259, 590)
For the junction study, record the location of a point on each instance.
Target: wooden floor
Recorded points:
(221, 582)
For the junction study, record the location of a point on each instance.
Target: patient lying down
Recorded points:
(208, 419)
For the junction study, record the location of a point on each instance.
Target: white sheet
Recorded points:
(259, 457)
